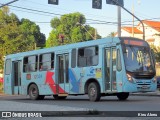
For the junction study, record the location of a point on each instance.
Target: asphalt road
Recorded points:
(109, 103)
(82, 103)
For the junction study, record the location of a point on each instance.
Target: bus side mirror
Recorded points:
(124, 49)
(153, 56)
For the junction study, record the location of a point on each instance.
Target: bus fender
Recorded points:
(88, 82)
(29, 86)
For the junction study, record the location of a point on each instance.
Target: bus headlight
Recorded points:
(129, 77)
(155, 79)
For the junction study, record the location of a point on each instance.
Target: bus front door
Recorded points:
(16, 83)
(110, 69)
(63, 77)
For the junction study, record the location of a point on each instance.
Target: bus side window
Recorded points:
(82, 61)
(30, 64)
(73, 58)
(46, 61)
(94, 60)
(119, 65)
(92, 55)
(52, 60)
(88, 56)
(25, 64)
(8, 67)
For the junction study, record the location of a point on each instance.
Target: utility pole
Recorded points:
(120, 3)
(133, 20)
(137, 19)
(119, 21)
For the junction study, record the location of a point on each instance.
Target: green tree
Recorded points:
(156, 52)
(31, 32)
(17, 35)
(9, 33)
(112, 34)
(72, 27)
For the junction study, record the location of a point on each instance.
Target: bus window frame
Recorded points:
(6, 73)
(36, 64)
(119, 64)
(74, 58)
(51, 61)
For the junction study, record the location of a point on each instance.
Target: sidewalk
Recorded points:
(2, 94)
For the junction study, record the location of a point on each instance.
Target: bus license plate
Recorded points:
(145, 87)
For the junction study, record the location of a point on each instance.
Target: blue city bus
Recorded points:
(104, 67)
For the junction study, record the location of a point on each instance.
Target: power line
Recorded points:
(2, 5)
(51, 13)
(35, 10)
(32, 12)
(40, 13)
(72, 11)
(45, 12)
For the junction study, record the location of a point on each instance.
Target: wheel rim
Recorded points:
(33, 92)
(92, 92)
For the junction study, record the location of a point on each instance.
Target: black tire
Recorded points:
(34, 92)
(123, 95)
(94, 92)
(56, 97)
(41, 97)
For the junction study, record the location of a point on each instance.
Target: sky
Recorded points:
(104, 20)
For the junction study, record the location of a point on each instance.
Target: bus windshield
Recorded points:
(138, 59)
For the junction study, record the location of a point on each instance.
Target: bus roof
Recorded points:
(69, 46)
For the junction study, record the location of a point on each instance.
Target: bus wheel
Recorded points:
(41, 97)
(94, 92)
(34, 92)
(123, 95)
(56, 97)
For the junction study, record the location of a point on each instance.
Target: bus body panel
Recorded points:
(7, 84)
(78, 81)
(38, 78)
(142, 85)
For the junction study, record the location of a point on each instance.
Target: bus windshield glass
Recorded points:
(138, 59)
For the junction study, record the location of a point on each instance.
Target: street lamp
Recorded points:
(85, 30)
(133, 17)
(121, 4)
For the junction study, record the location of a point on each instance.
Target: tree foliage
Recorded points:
(71, 28)
(17, 35)
(112, 34)
(32, 32)
(156, 52)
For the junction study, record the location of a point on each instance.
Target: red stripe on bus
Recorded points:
(50, 81)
